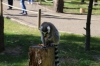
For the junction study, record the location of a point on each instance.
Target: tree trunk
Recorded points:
(58, 5)
(40, 56)
(95, 0)
(88, 34)
(1, 33)
(1, 27)
(82, 1)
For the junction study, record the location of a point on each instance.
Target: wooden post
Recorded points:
(82, 10)
(1, 27)
(39, 18)
(40, 56)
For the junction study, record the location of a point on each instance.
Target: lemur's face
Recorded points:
(45, 30)
(45, 34)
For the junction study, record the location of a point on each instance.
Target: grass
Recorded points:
(18, 38)
(68, 7)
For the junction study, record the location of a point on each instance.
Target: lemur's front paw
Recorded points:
(44, 46)
(51, 44)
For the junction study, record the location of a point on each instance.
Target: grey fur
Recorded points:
(53, 35)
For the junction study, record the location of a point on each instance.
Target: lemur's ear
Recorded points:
(48, 29)
(41, 28)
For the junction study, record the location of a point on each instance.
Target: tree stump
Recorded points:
(40, 56)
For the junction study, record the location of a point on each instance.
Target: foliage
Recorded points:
(19, 38)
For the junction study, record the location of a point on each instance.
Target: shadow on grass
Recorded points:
(71, 8)
(72, 50)
(71, 46)
(79, 8)
(96, 8)
(17, 48)
(74, 2)
(73, 41)
(45, 16)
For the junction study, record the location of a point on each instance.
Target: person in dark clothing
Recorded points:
(10, 3)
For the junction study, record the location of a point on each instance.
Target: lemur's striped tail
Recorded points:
(56, 56)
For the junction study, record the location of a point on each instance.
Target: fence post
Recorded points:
(39, 18)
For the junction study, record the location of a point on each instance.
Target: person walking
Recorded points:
(10, 4)
(24, 12)
(30, 1)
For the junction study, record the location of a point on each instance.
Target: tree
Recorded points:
(95, 0)
(82, 1)
(88, 35)
(58, 5)
(1, 27)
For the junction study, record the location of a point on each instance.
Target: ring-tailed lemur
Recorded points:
(50, 37)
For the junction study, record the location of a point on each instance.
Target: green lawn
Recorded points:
(73, 7)
(18, 38)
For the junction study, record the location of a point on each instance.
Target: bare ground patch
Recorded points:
(16, 51)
